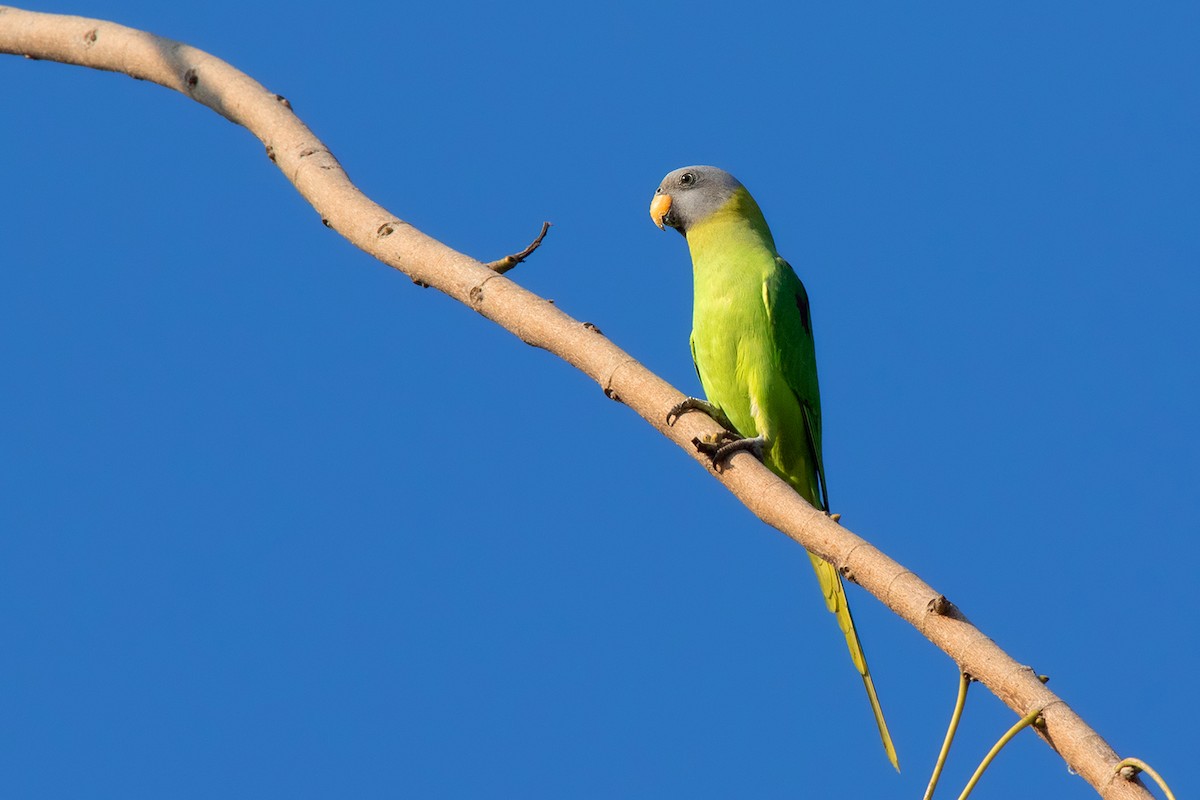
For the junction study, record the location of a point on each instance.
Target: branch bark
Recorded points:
(318, 176)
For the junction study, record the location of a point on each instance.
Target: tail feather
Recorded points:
(835, 601)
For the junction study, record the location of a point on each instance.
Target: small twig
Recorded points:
(964, 681)
(503, 265)
(1024, 722)
(1136, 765)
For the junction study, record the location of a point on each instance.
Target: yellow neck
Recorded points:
(738, 226)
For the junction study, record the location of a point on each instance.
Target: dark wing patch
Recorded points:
(802, 305)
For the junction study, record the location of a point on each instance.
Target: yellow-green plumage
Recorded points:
(753, 348)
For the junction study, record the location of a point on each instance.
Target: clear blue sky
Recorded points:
(274, 522)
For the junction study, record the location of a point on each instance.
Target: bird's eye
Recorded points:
(687, 179)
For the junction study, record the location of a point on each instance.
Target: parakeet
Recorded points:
(752, 343)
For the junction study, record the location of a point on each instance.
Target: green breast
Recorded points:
(732, 256)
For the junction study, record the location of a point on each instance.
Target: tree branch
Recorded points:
(318, 176)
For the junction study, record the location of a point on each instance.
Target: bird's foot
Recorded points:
(721, 446)
(693, 404)
(710, 443)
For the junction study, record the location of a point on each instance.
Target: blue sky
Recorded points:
(277, 523)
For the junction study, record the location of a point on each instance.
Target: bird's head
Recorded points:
(689, 195)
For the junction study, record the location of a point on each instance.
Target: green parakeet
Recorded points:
(752, 343)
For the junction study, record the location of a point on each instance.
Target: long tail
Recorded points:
(835, 599)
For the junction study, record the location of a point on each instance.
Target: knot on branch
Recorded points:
(609, 391)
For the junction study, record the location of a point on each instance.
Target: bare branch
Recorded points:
(320, 179)
(503, 265)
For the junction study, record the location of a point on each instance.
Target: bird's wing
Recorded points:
(791, 323)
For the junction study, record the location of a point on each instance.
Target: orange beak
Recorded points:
(659, 207)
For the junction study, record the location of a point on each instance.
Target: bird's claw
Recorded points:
(719, 447)
(689, 404)
(712, 442)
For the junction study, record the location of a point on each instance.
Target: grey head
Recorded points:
(689, 195)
